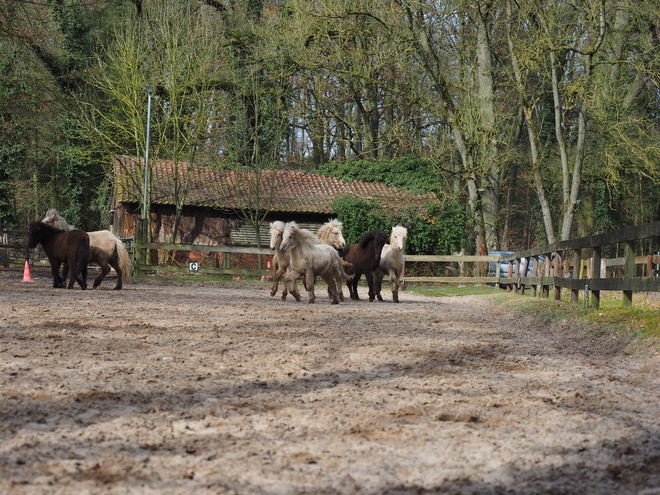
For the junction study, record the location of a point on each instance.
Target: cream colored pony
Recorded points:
(392, 261)
(280, 260)
(105, 248)
(331, 233)
(308, 258)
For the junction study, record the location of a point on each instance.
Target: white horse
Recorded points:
(105, 248)
(392, 261)
(310, 259)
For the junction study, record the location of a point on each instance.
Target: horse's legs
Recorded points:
(370, 282)
(73, 266)
(309, 285)
(290, 284)
(339, 283)
(58, 282)
(378, 284)
(83, 276)
(332, 287)
(352, 286)
(120, 275)
(277, 275)
(395, 286)
(105, 269)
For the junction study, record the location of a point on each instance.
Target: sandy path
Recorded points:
(182, 389)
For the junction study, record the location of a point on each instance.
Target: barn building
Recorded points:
(212, 198)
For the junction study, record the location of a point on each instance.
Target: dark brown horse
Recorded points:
(364, 256)
(68, 247)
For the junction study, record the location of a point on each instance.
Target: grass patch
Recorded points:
(435, 290)
(641, 321)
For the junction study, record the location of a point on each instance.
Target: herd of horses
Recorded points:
(299, 254)
(73, 249)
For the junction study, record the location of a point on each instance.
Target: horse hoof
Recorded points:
(380, 298)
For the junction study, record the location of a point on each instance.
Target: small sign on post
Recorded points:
(193, 266)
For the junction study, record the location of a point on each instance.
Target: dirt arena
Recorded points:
(210, 389)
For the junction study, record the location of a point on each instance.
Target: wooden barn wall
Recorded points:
(203, 226)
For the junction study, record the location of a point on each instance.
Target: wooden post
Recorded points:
(525, 264)
(649, 265)
(545, 289)
(142, 237)
(629, 250)
(577, 266)
(597, 273)
(559, 272)
(535, 273)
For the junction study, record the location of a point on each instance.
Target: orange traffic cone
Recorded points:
(26, 272)
(269, 278)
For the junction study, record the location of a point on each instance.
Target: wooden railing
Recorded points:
(567, 267)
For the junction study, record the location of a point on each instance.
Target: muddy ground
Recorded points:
(210, 389)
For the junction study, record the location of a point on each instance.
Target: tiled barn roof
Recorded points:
(293, 192)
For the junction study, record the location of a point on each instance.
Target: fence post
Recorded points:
(559, 272)
(523, 270)
(545, 289)
(629, 248)
(577, 268)
(535, 273)
(142, 228)
(596, 273)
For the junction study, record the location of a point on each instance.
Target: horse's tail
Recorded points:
(125, 262)
(83, 253)
(346, 269)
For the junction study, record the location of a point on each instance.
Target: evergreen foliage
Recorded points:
(443, 229)
(412, 174)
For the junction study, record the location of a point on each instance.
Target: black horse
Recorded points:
(364, 256)
(61, 246)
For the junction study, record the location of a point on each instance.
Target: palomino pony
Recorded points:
(105, 248)
(61, 246)
(310, 259)
(364, 256)
(392, 261)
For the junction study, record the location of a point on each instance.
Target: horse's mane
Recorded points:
(398, 231)
(55, 219)
(277, 224)
(305, 237)
(36, 227)
(375, 235)
(329, 225)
